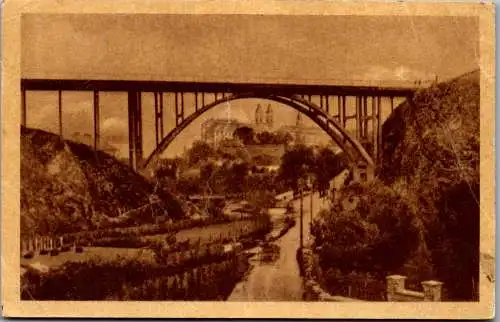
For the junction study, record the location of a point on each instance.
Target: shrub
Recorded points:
(66, 248)
(120, 242)
(361, 285)
(361, 239)
(29, 255)
(133, 279)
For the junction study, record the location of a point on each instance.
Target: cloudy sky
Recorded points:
(237, 48)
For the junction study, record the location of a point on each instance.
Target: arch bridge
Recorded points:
(326, 105)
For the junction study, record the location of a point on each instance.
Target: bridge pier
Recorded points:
(97, 119)
(135, 129)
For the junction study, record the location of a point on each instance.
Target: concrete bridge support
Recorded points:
(135, 129)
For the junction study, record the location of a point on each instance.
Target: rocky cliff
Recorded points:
(68, 186)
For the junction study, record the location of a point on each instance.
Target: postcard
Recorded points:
(248, 159)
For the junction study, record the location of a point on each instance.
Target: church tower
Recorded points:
(299, 122)
(269, 116)
(299, 127)
(258, 115)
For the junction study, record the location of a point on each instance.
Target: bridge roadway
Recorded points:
(279, 280)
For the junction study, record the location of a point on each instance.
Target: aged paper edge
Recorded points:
(13, 307)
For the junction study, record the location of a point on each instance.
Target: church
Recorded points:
(214, 131)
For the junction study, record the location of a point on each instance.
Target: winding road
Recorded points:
(279, 280)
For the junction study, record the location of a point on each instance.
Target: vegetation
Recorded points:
(248, 136)
(179, 270)
(441, 127)
(69, 187)
(245, 134)
(381, 224)
(205, 277)
(219, 173)
(274, 138)
(422, 220)
(220, 230)
(303, 162)
(369, 232)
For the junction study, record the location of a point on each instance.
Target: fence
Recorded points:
(141, 236)
(38, 243)
(136, 280)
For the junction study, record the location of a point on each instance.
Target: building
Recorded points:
(263, 121)
(214, 131)
(303, 134)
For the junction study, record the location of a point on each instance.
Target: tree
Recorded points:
(206, 172)
(167, 168)
(263, 159)
(266, 138)
(245, 134)
(283, 138)
(361, 239)
(199, 151)
(327, 166)
(296, 164)
(236, 177)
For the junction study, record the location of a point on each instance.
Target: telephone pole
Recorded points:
(311, 184)
(311, 206)
(301, 219)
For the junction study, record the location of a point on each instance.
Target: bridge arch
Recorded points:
(350, 145)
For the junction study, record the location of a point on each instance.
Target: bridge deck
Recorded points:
(211, 87)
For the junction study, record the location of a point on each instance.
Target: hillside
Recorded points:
(431, 157)
(440, 124)
(67, 186)
(421, 218)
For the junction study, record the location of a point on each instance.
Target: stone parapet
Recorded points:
(397, 292)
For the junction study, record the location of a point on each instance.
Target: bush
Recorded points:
(78, 249)
(66, 248)
(29, 255)
(130, 236)
(133, 279)
(120, 242)
(361, 239)
(360, 285)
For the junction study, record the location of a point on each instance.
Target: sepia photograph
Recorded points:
(251, 158)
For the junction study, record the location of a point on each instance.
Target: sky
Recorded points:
(229, 48)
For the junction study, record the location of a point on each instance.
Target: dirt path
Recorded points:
(279, 280)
